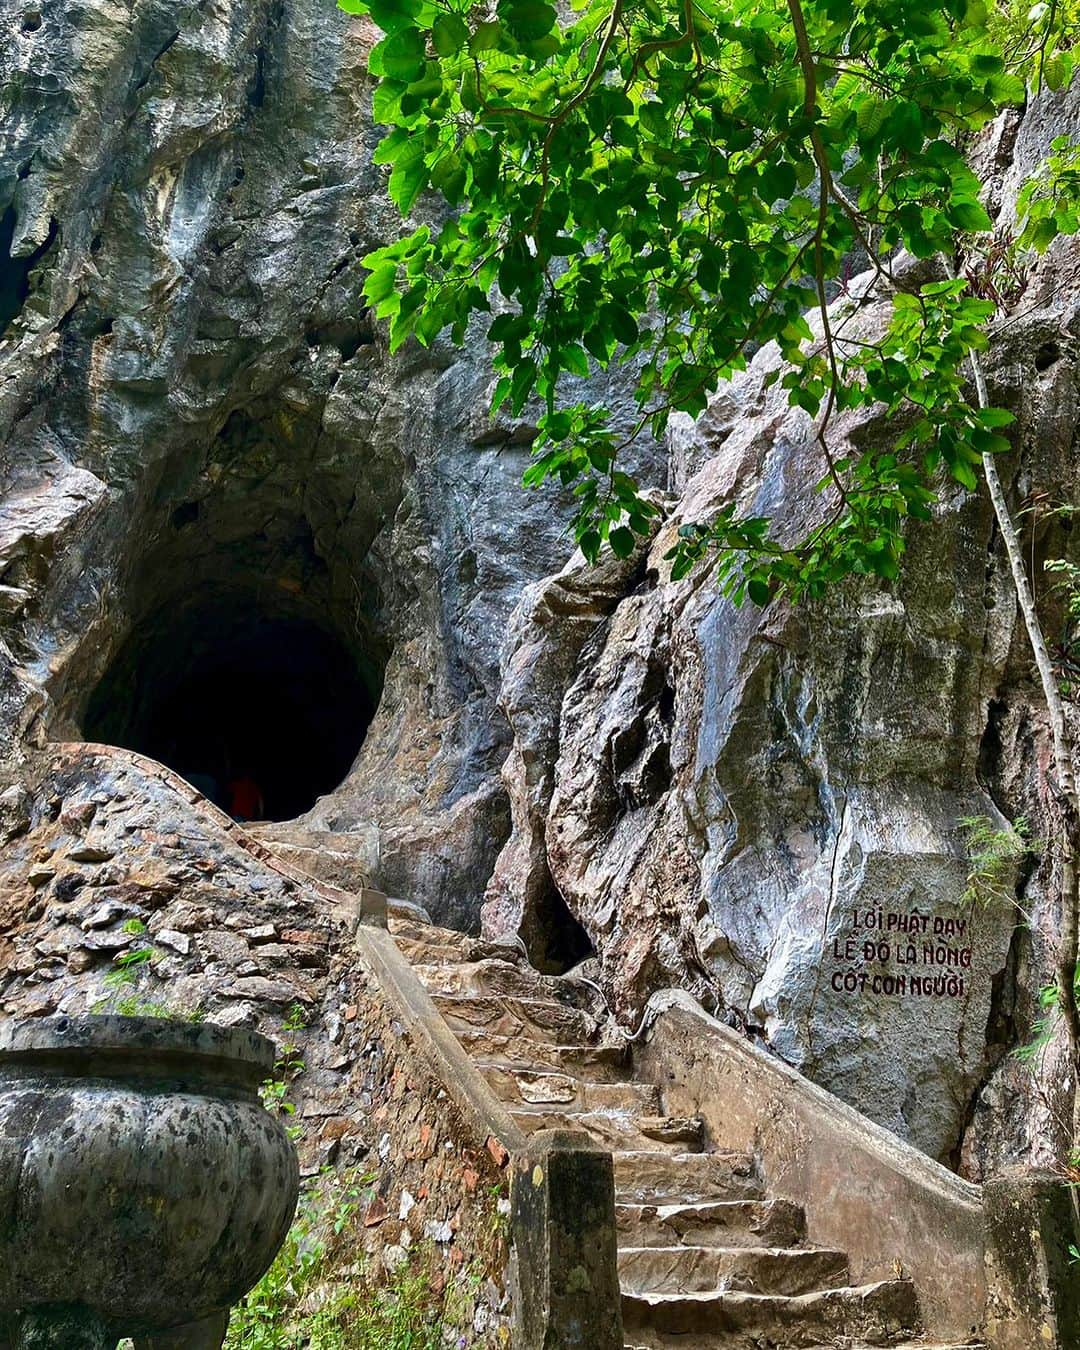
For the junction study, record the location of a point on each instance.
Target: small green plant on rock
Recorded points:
(399, 1316)
(134, 1006)
(126, 966)
(124, 998)
(288, 1066)
(303, 1301)
(123, 979)
(1042, 1029)
(993, 853)
(1067, 651)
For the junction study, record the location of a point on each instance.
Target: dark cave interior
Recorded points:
(262, 706)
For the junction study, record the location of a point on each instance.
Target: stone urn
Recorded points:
(143, 1187)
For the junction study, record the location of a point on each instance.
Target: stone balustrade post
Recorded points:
(1033, 1281)
(562, 1227)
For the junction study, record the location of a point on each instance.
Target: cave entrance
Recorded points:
(555, 940)
(261, 706)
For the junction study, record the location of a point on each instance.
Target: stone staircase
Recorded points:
(708, 1259)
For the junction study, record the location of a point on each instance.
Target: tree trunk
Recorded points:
(1066, 779)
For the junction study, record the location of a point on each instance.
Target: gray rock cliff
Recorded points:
(199, 423)
(765, 808)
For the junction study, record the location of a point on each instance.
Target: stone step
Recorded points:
(848, 1344)
(429, 942)
(411, 930)
(774, 1223)
(614, 1129)
(597, 1063)
(487, 977)
(685, 1131)
(545, 1087)
(420, 953)
(338, 857)
(752, 1270)
(399, 908)
(426, 944)
(532, 1019)
(659, 1178)
(877, 1314)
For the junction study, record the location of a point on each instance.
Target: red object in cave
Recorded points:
(245, 799)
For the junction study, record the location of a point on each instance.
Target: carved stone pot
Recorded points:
(143, 1187)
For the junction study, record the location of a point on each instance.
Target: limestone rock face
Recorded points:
(197, 416)
(765, 808)
(551, 625)
(199, 419)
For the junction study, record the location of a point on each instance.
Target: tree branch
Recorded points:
(1067, 957)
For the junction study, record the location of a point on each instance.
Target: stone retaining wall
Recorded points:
(108, 855)
(105, 845)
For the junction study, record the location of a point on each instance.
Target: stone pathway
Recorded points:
(708, 1259)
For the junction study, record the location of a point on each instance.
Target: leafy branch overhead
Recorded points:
(678, 182)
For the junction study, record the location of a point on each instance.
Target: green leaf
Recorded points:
(521, 384)
(574, 359)
(758, 590)
(506, 326)
(954, 286)
(1006, 89)
(487, 37)
(590, 543)
(1055, 72)
(1041, 236)
(391, 145)
(393, 15)
(529, 20)
(988, 444)
(623, 324)
(777, 181)
(449, 34)
(386, 101)
(621, 541)
(995, 417)
(409, 176)
(402, 55)
(870, 116)
(968, 215)
(449, 177)
(598, 343)
(380, 283)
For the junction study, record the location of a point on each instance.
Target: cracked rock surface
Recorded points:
(765, 807)
(195, 409)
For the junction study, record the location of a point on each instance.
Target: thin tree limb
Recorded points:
(1059, 730)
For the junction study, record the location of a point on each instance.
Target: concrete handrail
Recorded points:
(562, 1190)
(446, 1056)
(864, 1190)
